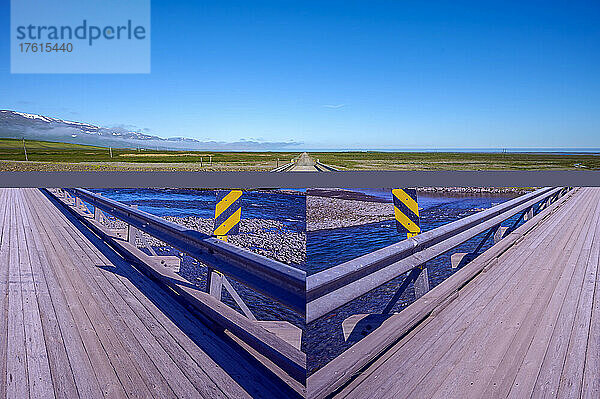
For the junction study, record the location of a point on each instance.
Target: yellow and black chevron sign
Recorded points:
(406, 211)
(228, 213)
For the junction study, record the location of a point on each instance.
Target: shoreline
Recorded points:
(346, 194)
(267, 237)
(328, 209)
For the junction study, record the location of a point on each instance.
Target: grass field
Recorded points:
(43, 155)
(372, 160)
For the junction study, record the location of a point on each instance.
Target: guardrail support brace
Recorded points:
(499, 234)
(98, 215)
(528, 215)
(215, 286)
(422, 282)
(132, 232)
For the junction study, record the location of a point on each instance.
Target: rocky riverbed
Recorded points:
(270, 238)
(266, 237)
(331, 208)
(476, 190)
(331, 213)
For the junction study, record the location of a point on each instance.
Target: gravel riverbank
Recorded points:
(331, 208)
(263, 236)
(331, 213)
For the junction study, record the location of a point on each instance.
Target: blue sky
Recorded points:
(347, 74)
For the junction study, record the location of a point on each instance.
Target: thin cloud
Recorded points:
(334, 106)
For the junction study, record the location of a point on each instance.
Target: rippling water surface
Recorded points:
(289, 209)
(326, 248)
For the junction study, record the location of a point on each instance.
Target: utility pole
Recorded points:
(110, 150)
(25, 149)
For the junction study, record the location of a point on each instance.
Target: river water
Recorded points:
(325, 248)
(273, 205)
(323, 339)
(289, 209)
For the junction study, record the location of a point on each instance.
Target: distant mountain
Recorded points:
(15, 124)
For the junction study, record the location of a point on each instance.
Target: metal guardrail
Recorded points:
(325, 168)
(336, 286)
(283, 283)
(284, 168)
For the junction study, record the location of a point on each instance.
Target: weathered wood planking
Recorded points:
(103, 267)
(450, 339)
(527, 326)
(346, 366)
(77, 320)
(4, 257)
(17, 376)
(291, 367)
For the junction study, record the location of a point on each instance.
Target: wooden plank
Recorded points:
(331, 376)
(101, 365)
(591, 380)
(473, 336)
(121, 375)
(98, 263)
(5, 196)
(254, 335)
(572, 376)
(38, 367)
(504, 373)
(549, 375)
(79, 361)
(525, 382)
(127, 324)
(16, 367)
(62, 374)
(453, 315)
(128, 335)
(126, 274)
(284, 330)
(474, 367)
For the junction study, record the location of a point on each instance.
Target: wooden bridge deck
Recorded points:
(528, 326)
(76, 320)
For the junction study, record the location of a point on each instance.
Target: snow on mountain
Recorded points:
(21, 124)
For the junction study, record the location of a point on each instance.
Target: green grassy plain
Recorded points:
(43, 155)
(373, 160)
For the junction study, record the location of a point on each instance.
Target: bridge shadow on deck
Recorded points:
(226, 353)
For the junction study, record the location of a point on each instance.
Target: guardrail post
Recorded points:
(132, 232)
(274, 279)
(215, 283)
(422, 282)
(499, 234)
(98, 215)
(528, 214)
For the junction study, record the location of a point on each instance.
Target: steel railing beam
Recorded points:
(281, 282)
(334, 287)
